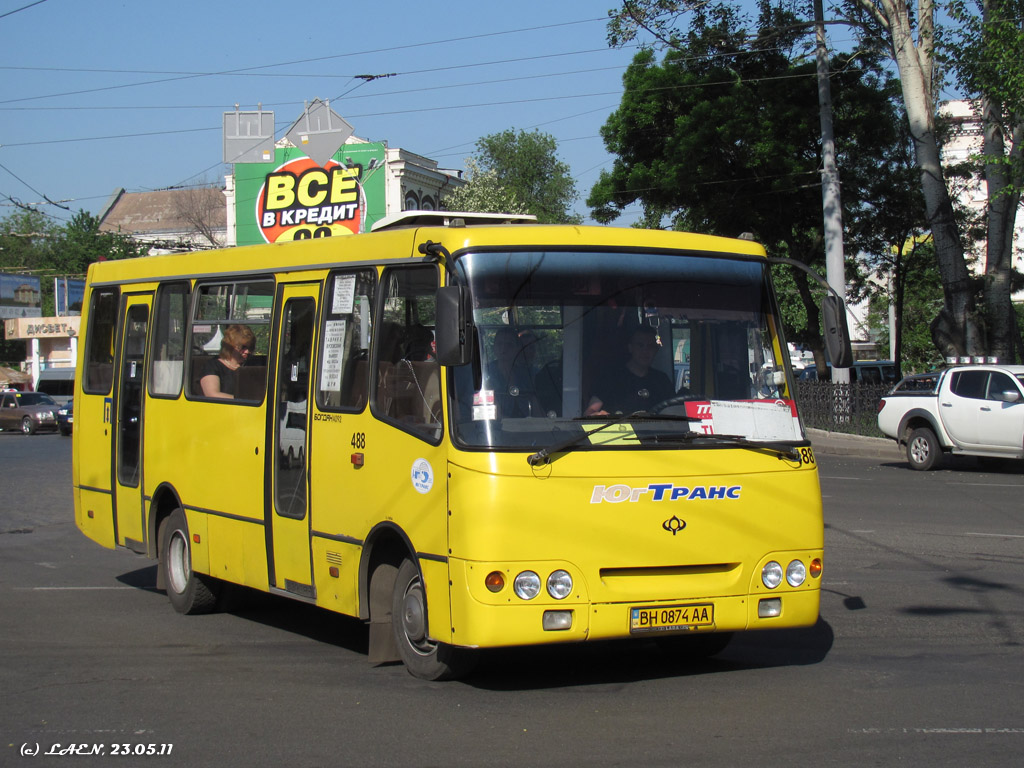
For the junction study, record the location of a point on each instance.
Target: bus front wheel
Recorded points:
(189, 592)
(423, 657)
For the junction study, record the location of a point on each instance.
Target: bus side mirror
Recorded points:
(452, 329)
(837, 334)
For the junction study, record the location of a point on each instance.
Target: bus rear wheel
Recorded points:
(423, 657)
(189, 592)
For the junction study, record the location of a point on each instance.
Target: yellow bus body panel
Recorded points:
(507, 518)
(483, 512)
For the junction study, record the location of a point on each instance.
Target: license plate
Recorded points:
(671, 618)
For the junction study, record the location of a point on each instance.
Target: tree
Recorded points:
(985, 46)
(908, 32)
(202, 208)
(483, 193)
(83, 243)
(722, 136)
(916, 281)
(33, 244)
(520, 169)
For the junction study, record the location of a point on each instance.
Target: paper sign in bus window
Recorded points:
(334, 356)
(344, 294)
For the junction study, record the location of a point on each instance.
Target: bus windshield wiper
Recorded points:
(543, 456)
(782, 450)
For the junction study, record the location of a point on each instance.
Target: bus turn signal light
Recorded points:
(815, 569)
(495, 581)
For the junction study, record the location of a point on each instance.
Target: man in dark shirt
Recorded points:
(635, 386)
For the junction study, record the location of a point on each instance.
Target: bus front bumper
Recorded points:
(515, 622)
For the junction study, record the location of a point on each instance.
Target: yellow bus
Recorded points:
(468, 431)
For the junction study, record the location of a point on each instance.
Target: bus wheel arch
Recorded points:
(393, 597)
(188, 591)
(424, 658)
(165, 500)
(383, 551)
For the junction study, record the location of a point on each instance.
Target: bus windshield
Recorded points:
(679, 349)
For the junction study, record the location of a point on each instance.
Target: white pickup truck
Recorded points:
(977, 410)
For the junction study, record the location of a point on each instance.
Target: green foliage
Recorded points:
(985, 48)
(922, 300)
(518, 172)
(722, 135)
(483, 193)
(33, 244)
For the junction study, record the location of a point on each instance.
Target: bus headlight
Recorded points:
(771, 575)
(796, 573)
(527, 585)
(560, 585)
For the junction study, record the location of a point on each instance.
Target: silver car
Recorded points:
(29, 412)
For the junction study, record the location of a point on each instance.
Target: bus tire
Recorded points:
(189, 592)
(923, 450)
(423, 657)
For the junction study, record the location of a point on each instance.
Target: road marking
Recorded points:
(996, 535)
(991, 485)
(838, 477)
(64, 589)
(940, 730)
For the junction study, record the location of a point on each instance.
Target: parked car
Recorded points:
(976, 410)
(58, 383)
(29, 412)
(863, 371)
(65, 419)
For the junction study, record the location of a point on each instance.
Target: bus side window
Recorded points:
(99, 361)
(231, 322)
(408, 390)
(169, 323)
(345, 341)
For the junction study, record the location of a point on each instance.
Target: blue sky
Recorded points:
(101, 94)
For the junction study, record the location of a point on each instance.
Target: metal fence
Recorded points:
(850, 408)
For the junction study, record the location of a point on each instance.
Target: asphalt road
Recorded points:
(917, 658)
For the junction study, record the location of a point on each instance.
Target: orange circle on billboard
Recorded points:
(301, 209)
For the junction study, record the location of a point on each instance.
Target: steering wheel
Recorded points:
(674, 400)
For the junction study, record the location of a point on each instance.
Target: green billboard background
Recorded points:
(294, 198)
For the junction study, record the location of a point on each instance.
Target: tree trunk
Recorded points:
(1002, 209)
(955, 330)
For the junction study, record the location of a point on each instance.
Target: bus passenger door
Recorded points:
(129, 391)
(288, 524)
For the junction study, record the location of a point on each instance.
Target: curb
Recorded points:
(840, 444)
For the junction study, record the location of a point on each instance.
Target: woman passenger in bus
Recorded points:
(220, 374)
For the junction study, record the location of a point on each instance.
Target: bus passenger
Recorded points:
(220, 374)
(510, 377)
(635, 386)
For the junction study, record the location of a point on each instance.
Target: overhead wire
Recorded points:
(250, 71)
(23, 8)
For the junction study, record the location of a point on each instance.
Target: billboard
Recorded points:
(68, 296)
(295, 198)
(20, 296)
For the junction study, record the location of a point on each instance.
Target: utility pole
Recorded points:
(830, 198)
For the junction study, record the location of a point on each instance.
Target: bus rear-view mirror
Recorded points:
(452, 328)
(837, 334)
